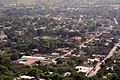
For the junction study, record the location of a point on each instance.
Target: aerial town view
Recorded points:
(59, 39)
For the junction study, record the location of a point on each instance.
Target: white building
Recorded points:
(83, 69)
(67, 74)
(33, 58)
(55, 54)
(2, 35)
(24, 77)
(93, 60)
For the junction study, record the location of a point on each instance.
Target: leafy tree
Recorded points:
(71, 63)
(59, 61)
(1, 45)
(78, 76)
(3, 69)
(34, 44)
(4, 77)
(40, 32)
(33, 72)
(55, 77)
(14, 56)
(113, 76)
(6, 61)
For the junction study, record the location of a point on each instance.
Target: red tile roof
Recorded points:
(30, 62)
(76, 37)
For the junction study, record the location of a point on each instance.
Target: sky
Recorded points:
(51, 1)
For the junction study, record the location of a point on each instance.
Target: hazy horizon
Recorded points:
(30, 2)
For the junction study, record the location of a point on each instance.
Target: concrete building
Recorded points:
(83, 69)
(30, 60)
(33, 58)
(24, 77)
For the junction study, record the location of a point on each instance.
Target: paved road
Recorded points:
(89, 40)
(111, 53)
(62, 56)
(69, 53)
(94, 71)
(115, 20)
